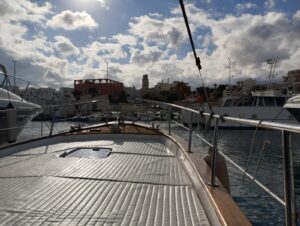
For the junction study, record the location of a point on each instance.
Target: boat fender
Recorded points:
(221, 168)
(11, 124)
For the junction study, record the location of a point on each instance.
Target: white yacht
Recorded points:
(293, 106)
(264, 105)
(15, 112)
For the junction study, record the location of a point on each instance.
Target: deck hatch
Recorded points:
(88, 152)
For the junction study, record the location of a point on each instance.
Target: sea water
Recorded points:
(260, 150)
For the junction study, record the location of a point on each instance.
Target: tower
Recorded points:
(145, 83)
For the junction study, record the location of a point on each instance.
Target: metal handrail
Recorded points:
(286, 130)
(6, 76)
(262, 124)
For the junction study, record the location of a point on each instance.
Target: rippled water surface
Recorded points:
(265, 162)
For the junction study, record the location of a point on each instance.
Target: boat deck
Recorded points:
(140, 183)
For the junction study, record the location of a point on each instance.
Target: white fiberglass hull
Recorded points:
(19, 112)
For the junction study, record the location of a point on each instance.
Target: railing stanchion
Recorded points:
(41, 127)
(289, 184)
(190, 134)
(52, 123)
(214, 154)
(169, 119)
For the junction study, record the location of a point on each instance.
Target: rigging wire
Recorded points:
(264, 147)
(197, 59)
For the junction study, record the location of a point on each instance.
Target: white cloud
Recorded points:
(20, 10)
(206, 1)
(69, 20)
(166, 32)
(65, 47)
(245, 6)
(103, 3)
(270, 4)
(146, 56)
(98, 52)
(125, 39)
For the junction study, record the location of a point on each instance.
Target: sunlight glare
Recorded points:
(91, 4)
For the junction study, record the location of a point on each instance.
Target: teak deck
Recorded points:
(141, 183)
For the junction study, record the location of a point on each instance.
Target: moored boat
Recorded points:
(15, 112)
(293, 106)
(261, 105)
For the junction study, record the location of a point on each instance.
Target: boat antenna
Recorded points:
(197, 59)
(229, 70)
(14, 75)
(106, 69)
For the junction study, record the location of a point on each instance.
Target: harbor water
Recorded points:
(259, 149)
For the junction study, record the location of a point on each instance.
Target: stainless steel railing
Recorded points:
(286, 131)
(5, 83)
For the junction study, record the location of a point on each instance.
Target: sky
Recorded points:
(56, 42)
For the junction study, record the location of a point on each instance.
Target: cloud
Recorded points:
(270, 4)
(65, 47)
(167, 32)
(240, 7)
(101, 51)
(146, 56)
(103, 3)
(125, 39)
(206, 1)
(69, 20)
(19, 10)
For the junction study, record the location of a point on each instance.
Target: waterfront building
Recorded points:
(292, 76)
(97, 87)
(132, 93)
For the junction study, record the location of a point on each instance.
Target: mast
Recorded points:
(106, 69)
(229, 71)
(273, 62)
(14, 76)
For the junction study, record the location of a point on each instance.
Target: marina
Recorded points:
(121, 125)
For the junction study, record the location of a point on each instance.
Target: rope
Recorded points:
(264, 147)
(197, 59)
(250, 153)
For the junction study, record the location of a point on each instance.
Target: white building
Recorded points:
(132, 93)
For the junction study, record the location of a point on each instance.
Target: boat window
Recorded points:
(254, 116)
(254, 100)
(269, 101)
(238, 102)
(260, 102)
(247, 102)
(280, 101)
(294, 114)
(88, 152)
